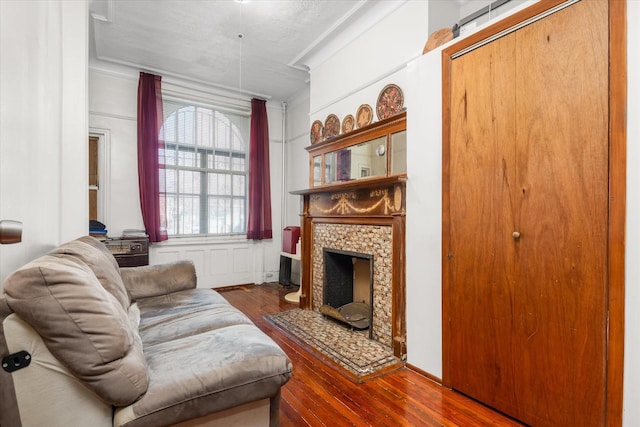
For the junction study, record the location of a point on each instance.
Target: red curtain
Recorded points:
(151, 177)
(259, 220)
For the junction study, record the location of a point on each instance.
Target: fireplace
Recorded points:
(361, 224)
(362, 214)
(348, 287)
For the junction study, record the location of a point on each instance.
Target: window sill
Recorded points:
(202, 240)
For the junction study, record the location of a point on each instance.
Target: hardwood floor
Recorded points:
(319, 394)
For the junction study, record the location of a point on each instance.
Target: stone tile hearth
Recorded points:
(351, 349)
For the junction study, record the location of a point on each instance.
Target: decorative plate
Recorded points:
(316, 133)
(364, 115)
(390, 101)
(437, 38)
(347, 123)
(331, 126)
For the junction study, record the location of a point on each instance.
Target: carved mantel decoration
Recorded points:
(364, 215)
(387, 200)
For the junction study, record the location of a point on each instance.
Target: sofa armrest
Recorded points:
(153, 280)
(45, 392)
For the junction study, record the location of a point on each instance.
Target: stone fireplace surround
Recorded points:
(366, 239)
(364, 216)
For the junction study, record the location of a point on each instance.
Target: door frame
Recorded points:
(104, 172)
(617, 184)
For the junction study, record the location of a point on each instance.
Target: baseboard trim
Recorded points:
(233, 287)
(424, 373)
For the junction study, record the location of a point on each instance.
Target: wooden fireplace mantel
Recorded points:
(374, 201)
(376, 197)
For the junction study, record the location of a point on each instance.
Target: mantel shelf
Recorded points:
(352, 185)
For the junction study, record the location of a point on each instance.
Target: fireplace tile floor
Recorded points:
(360, 356)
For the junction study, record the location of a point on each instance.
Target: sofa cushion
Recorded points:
(82, 324)
(216, 359)
(182, 314)
(152, 280)
(98, 258)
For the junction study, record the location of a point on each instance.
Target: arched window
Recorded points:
(206, 158)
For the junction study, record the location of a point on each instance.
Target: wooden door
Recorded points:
(526, 294)
(93, 177)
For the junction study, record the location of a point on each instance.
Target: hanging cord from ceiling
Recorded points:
(240, 39)
(283, 205)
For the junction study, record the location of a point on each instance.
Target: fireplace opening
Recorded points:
(348, 287)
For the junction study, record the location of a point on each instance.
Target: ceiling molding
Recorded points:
(339, 27)
(361, 18)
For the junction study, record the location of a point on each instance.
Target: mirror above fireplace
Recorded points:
(374, 151)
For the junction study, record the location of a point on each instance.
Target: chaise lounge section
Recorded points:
(85, 342)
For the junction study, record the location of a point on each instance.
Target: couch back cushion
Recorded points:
(98, 258)
(83, 325)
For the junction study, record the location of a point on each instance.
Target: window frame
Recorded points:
(205, 166)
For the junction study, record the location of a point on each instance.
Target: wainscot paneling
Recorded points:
(217, 264)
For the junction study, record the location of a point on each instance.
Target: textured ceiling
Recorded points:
(199, 40)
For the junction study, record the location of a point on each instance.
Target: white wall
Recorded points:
(43, 125)
(355, 73)
(112, 112)
(424, 214)
(632, 322)
(297, 162)
(220, 261)
(443, 14)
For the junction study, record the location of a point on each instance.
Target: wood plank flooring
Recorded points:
(320, 394)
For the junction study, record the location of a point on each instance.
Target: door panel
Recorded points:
(562, 164)
(481, 172)
(529, 155)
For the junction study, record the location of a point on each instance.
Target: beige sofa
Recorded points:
(85, 343)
